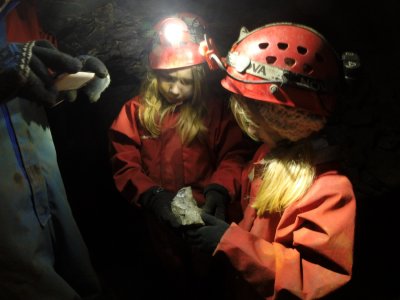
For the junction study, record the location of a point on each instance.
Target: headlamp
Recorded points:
(174, 45)
(173, 34)
(173, 31)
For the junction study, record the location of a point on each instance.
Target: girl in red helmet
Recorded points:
(297, 233)
(174, 135)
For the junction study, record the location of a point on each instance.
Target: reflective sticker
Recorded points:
(242, 63)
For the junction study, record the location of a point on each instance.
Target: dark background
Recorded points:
(366, 123)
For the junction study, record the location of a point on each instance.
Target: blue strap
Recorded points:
(13, 138)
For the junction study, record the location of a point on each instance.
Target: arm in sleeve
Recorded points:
(126, 162)
(232, 149)
(312, 253)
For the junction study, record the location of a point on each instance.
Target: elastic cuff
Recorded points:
(149, 194)
(217, 187)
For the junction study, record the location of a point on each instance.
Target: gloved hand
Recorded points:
(26, 70)
(97, 85)
(158, 201)
(207, 237)
(217, 198)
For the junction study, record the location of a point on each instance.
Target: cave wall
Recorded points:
(366, 120)
(116, 32)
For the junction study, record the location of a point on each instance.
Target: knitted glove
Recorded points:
(97, 85)
(158, 201)
(207, 237)
(27, 69)
(217, 199)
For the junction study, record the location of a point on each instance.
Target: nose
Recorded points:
(174, 89)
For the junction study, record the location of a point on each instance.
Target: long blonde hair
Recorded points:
(154, 108)
(288, 170)
(288, 174)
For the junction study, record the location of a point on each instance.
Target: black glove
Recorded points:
(158, 201)
(24, 70)
(207, 237)
(97, 85)
(217, 199)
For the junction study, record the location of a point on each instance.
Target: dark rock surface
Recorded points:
(367, 121)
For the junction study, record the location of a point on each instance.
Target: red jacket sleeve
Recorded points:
(129, 176)
(311, 254)
(231, 147)
(21, 30)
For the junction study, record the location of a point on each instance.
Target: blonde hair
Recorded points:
(241, 115)
(287, 175)
(288, 170)
(154, 108)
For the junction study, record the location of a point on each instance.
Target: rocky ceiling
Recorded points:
(116, 30)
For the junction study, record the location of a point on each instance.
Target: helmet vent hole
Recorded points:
(289, 61)
(319, 57)
(263, 45)
(307, 69)
(282, 46)
(271, 60)
(301, 50)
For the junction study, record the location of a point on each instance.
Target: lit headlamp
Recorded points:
(174, 32)
(174, 46)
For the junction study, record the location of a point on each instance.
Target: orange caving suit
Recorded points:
(305, 252)
(141, 161)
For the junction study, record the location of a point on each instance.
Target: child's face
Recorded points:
(176, 86)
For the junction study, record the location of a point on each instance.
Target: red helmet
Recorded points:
(177, 40)
(284, 63)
